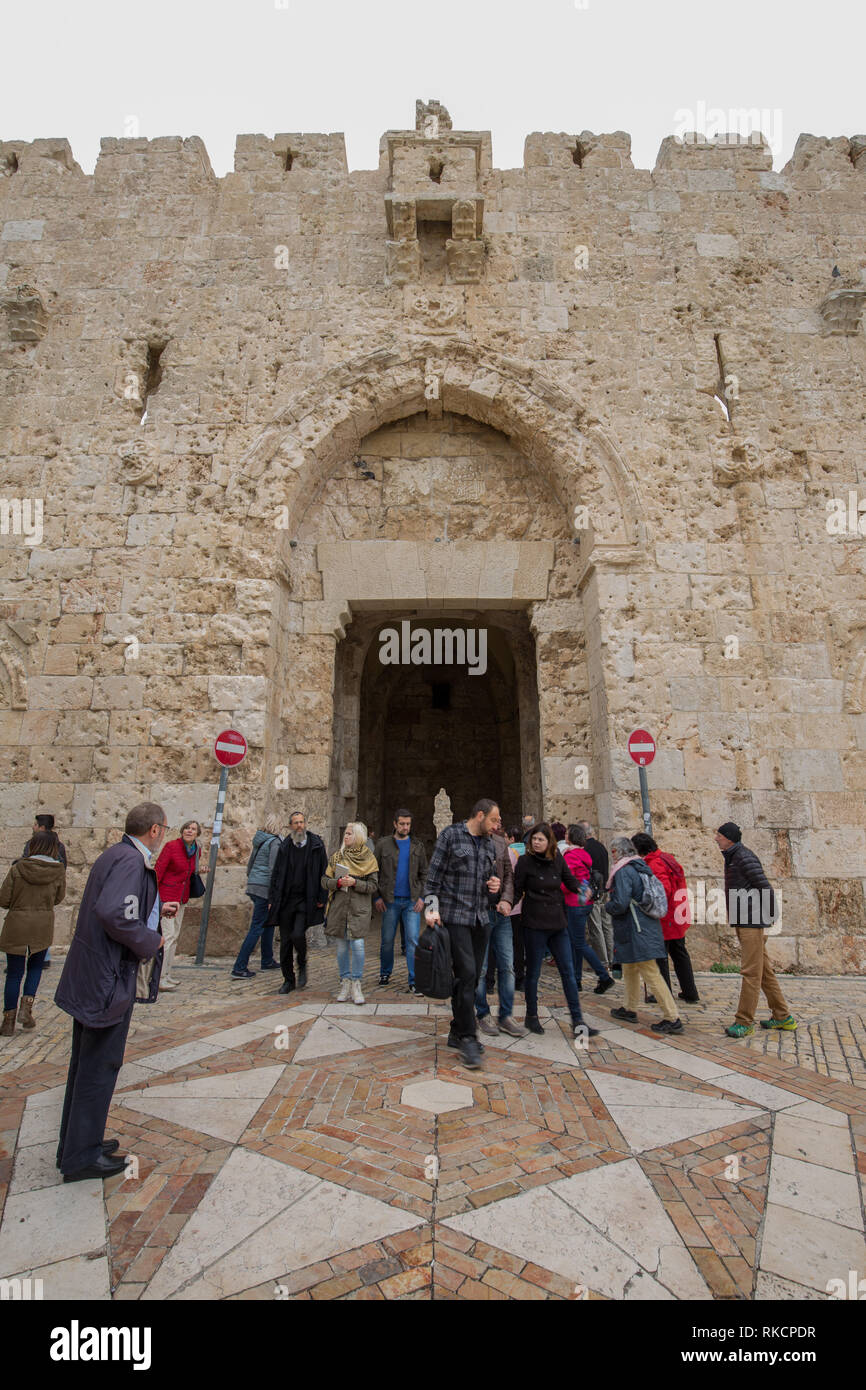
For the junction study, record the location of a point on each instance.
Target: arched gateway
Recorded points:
(433, 488)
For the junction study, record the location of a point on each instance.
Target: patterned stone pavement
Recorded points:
(290, 1147)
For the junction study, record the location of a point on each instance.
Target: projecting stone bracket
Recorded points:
(402, 262)
(842, 310)
(465, 249)
(25, 314)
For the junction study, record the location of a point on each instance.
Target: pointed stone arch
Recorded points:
(314, 601)
(325, 422)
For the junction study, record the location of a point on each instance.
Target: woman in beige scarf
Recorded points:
(352, 880)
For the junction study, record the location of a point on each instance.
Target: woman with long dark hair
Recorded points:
(538, 881)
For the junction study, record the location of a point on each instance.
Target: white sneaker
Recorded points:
(345, 991)
(357, 996)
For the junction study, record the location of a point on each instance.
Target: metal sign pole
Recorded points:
(214, 851)
(648, 829)
(645, 801)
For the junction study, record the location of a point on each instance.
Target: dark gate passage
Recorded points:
(423, 727)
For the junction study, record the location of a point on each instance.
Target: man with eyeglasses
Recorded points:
(118, 926)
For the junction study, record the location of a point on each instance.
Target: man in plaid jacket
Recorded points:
(460, 876)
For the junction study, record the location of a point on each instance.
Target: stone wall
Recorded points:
(192, 367)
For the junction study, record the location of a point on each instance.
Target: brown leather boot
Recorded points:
(25, 1013)
(8, 1023)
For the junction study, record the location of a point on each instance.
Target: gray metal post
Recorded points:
(647, 825)
(214, 851)
(645, 802)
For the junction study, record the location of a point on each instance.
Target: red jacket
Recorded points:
(174, 868)
(669, 872)
(579, 862)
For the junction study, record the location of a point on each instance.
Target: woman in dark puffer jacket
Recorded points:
(538, 881)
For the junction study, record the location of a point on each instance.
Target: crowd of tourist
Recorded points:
(507, 901)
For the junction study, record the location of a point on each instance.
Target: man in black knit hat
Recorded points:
(751, 908)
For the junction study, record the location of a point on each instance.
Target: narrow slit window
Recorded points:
(153, 375)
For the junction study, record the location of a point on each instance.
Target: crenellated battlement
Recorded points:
(304, 159)
(169, 157)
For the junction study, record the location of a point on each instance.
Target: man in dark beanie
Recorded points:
(751, 908)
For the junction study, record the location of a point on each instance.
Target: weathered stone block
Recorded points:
(829, 853)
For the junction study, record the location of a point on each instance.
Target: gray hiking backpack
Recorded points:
(654, 899)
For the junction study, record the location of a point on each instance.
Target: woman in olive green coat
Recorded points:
(30, 892)
(352, 880)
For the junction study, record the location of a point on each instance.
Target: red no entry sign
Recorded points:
(642, 747)
(230, 748)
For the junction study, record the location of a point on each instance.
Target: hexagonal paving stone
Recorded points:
(436, 1096)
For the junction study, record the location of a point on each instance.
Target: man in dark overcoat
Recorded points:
(296, 897)
(118, 926)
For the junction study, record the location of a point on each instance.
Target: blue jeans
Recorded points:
(15, 973)
(501, 942)
(350, 957)
(537, 943)
(577, 920)
(399, 909)
(257, 929)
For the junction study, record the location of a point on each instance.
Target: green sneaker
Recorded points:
(740, 1030)
(788, 1025)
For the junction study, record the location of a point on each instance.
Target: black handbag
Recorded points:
(434, 976)
(196, 886)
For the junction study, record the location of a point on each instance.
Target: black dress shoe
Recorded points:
(302, 977)
(109, 1146)
(604, 984)
(286, 987)
(104, 1167)
(532, 1023)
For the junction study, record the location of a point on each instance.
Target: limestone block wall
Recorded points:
(191, 365)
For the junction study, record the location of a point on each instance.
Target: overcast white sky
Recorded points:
(219, 68)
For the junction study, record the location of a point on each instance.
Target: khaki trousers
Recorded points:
(170, 928)
(648, 971)
(758, 976)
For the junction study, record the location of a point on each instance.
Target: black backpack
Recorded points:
(433, 974)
